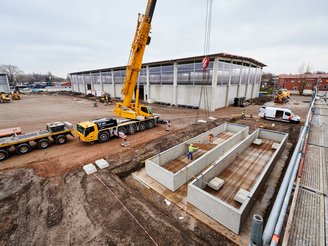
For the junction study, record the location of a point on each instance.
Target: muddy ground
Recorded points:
(47, 199)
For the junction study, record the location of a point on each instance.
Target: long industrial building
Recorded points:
(4, 83)
(181, 82)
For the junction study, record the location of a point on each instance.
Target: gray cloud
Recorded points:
(64, 36)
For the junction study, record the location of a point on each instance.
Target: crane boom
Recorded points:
(126, 108)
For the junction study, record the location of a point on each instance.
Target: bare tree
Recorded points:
(12, 72)
(303, 70)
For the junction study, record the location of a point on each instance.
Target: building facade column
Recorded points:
(101, 82)
(240, 79)
(92, 82)
(71, 78)
(78, 83)
(84, 85)
(258, 77)
(175, 83)
(147, 83)
(248, 77)
(228, 86)
(113, 84)
(214, 84)
(7, 83)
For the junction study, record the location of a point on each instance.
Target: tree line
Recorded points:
(17, 76)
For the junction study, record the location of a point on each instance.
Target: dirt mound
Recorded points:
(260, 100)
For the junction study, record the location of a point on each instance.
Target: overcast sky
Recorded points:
(64, 36)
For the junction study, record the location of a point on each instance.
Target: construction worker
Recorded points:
(290, 117)
(211, 138)
(124, 137)
(168, 125)
(243, 114)
(191, 149)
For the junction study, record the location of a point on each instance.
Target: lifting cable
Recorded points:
(207, 39)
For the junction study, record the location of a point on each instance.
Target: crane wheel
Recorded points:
(150, 124)
(131, 129)
(43, 143)
(23, 148)
(142, 126)
(122, 129)
(4, 154)
(61, 139)
(103, 137)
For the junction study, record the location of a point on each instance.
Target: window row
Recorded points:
(187, 74)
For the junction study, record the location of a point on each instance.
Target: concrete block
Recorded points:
(89, 168)
(257, 141)
(216, 183)
(241, 195)
(275, 145)
(102, 163)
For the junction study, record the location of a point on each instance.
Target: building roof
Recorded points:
(223, 56)
(308, 76)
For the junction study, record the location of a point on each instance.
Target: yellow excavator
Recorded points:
(138, 117)
(127, 109)
(4, 97)
(282, 96)
(15, 95)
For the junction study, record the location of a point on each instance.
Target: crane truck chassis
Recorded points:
(102, 130)
(57, 131)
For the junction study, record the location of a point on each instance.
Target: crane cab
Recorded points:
(87, 131)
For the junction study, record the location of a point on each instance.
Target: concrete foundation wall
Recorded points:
(173, 181)
(160, 174)
(213, 207)
(233, 218)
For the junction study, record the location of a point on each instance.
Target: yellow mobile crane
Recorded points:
(138, 117)
(127, 109)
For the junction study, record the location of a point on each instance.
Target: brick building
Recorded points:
(293, 82)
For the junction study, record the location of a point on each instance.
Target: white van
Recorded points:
(278, 114)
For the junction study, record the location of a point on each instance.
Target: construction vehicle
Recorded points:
(282, 96)
(138, 117)
(278, 114)
(105, 98)
(57, 131)
(127, 109)
(4, 97)
(15, 95)
(285, 92)
(102, 130)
